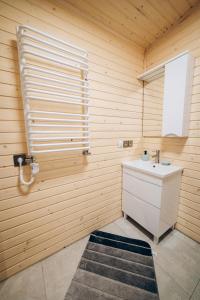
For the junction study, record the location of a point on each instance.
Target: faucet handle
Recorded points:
(156, 151)
(157, 156)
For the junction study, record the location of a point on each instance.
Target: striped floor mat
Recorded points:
(114, 267)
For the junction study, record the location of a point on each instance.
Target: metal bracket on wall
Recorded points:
(86, 152)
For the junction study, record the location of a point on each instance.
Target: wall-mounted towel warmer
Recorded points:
(55, 92)
(54, 88)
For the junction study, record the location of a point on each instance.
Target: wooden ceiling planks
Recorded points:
(139, 21)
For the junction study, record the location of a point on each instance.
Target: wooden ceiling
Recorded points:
(140, 21)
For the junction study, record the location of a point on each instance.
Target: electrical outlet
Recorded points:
(26, 160)
(15, 159)
(125, 144)
(130, 143)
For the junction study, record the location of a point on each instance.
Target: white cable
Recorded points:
(34, 171)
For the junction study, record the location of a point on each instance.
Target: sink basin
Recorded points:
(149, 167)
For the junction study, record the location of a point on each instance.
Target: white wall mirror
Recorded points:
(153, 107)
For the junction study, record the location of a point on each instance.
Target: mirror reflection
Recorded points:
(153, 107)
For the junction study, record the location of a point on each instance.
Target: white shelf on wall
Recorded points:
(178, 76)
(158, 70)
(55, 92)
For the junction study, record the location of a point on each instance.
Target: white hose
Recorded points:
(21, 174)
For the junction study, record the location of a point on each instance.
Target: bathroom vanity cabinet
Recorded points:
(151, 195)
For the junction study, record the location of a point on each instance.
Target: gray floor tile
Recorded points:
(135, 231)
(113, 228)
(129, 229)
(189, 245)
(178, 255)
(177, 260)
(26, 285)
(196, 293)
(168, 288)
(59, 269)
(180, 261)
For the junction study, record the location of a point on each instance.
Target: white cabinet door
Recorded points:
(177, 95)
(142, 189)
(145, 214)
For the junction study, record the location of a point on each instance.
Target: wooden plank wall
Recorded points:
(73, 195)
(183, 151)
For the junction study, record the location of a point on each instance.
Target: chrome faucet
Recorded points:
(157, 157)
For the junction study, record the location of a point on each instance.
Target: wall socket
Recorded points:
(125, 143)
(26, 160)
(130, 143)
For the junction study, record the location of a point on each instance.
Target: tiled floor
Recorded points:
(177, 262)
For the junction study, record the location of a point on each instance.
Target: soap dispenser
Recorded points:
(145, 156)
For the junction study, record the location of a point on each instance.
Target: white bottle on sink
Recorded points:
(145, 156)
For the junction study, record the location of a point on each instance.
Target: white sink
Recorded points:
(149, 167)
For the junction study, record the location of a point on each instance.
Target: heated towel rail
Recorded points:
(55, 93)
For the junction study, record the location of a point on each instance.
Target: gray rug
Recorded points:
(114, 267)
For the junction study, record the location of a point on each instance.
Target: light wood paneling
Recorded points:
(140, 21)
(185, 151)
(73, 195)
